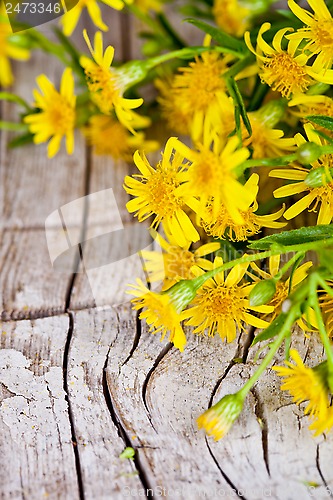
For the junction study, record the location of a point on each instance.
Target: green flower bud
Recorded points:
(262, 293)
(318, 177)
(218, 420)
(308, 153)
(272, 112)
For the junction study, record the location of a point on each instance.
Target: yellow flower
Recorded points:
(211, 176)
(163, 311)
(283, 288)
(107, 84)
(282, 70)
(232, 16)
(313, 105)
(218, 419)
(109, 137)
(318, 32)
(148, 5)
(71, 18)
(160, 312)
(326, 304)
(155, 192)
(223, 226)
(266, 142)
(222, 305)
(194, 92)
(322, 195)
(56, 118)
(8, 51)
(308, 384)
(176, 261)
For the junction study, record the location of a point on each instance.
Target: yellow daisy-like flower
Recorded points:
(326, 304)
(57, 115)
(283, 70)
(156, 193)
(318, 32)
(71, 18)
(175, 262)
(282, 287)
(308, 384)
(109, 137)
(232, 16)
(223, 226)
(160, 312)
(211, 176)
(266, 141)
(194, 92)
(218, 419)
(148, 5)
(222, 305)
(107, 85)
(8, 51)
(322, 195)
(313, 105)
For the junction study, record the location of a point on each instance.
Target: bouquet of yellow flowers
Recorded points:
(241, 199)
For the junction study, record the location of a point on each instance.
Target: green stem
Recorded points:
(177, 41)
(285, 268)
(301, 247)
(321, 326)
(269, 357)
(268, 162)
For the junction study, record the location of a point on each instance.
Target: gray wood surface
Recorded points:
(81, 378)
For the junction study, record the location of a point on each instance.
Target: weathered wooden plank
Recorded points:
(99, 443)
(36, 449)
(157, 393)
(270, 443)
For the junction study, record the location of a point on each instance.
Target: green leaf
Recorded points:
(238, 102)
(223, 39)
(19, 127)
(272, 330)
(8, 96)
(322, 121)
(294, 237)
(21, 140)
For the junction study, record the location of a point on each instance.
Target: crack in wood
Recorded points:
(136, 339)
(260, 414)
(224, 374)
(70, 411)
(328, 489)
(147, 487)
(145, 383)
(224, 475)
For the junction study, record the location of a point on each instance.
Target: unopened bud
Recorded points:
(318, 177)
(308, 153)
(262, 293)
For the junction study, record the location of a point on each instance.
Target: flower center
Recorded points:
(196, 87)
(207, 174)
(285, 75)
(61, 115)
(223, 303)
(161, 188)
(323, 32)
(102, 84)
(223, 225)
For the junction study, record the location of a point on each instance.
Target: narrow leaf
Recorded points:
(294, 237)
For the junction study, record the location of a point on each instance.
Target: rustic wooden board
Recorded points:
(37, 454)
(279, 457)
(156, 393)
